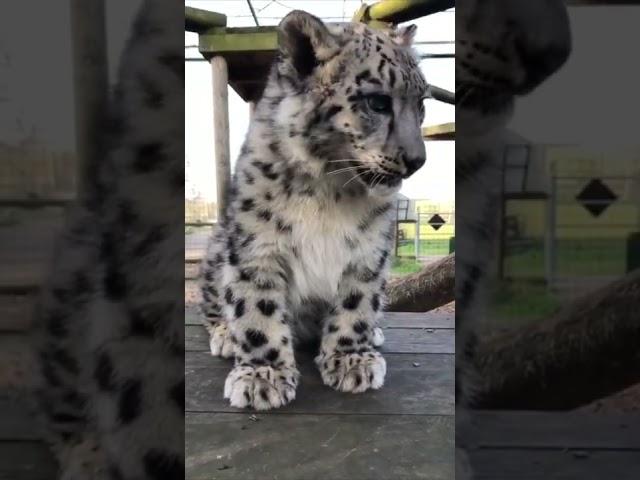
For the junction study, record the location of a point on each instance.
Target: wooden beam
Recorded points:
(444, 131)
(90, 79)
(220, 40)
(197, 20)
(220, 77)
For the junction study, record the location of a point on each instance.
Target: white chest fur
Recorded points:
(321, 229)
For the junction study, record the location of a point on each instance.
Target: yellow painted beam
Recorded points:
(444, 131)
(398, 11)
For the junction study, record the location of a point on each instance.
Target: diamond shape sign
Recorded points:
(436, 222)
(596, 197)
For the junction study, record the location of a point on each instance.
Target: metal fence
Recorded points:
(431, 234)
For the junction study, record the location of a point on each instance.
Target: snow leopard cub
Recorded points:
(303, 249)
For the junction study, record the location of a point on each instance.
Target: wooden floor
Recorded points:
(403, 431)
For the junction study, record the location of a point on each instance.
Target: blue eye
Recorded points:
(380, 103)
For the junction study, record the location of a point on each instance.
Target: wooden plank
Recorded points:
(555, 464)
(415, 384)
(398, 340)
(238, 40)
(434, 319)
(17, 421)
(198, 20)
(309, 447)
(26, 461)
(554, 430)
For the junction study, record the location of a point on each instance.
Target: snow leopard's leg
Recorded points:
(347, 359)
(265, 374)
(212, 315)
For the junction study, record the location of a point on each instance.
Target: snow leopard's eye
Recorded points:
(380, 103)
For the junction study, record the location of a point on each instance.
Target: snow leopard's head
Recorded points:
(348, 101)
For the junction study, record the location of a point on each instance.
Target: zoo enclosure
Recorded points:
(241, 58)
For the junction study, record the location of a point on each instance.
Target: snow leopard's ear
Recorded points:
(404, 35)
(305, 41)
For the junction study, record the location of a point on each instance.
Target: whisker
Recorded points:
(341, 170)
(356, 176)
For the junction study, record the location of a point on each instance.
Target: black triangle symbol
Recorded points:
(596, 197)
(436, 222)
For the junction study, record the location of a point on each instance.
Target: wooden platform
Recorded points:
(403, 431)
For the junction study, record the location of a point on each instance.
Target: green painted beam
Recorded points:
(197, 20)
(221, 40)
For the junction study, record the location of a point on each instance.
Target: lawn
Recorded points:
(436, 246)
(404, 266)
(575, 257)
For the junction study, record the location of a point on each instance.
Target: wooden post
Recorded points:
(90, 77)
(220, 76)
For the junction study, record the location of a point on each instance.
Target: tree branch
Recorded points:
(586, 351)
(431, 287)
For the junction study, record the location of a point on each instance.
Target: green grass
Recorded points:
(404, 266)
(517, 303)
(575, 257)
(439, 246)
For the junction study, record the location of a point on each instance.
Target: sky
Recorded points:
(434, 181)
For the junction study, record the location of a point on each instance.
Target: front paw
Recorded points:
(352, 372)
(220, 342)
(261, 388)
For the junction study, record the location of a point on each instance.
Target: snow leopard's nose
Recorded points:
(413, 163)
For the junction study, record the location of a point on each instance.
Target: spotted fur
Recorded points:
(503, 50)
(302, 252)
(110, 324)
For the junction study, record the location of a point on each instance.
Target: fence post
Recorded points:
(90, 80)
(220, 77)
(416, 240)
(550, 247)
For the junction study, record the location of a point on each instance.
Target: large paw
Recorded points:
(352, 372)
(261, 388)
(220, 342)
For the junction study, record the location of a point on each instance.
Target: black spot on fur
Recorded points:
(332, 111)
(104, 372)
(283, 227)
(148, 157)
(345, 341)
(228, 296)
(272, 355)
(352, 301)
(65, 360)
(176, 393)
(162, 465)
(285, 341)
(264, 395)
(332, 328)
(239, 311)
(246, 348)
(267, 307)
(360, 327)
(256, 338)
(246, 274)
(265, 215)
(375, 302)
(130, 401)
(247, 205)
